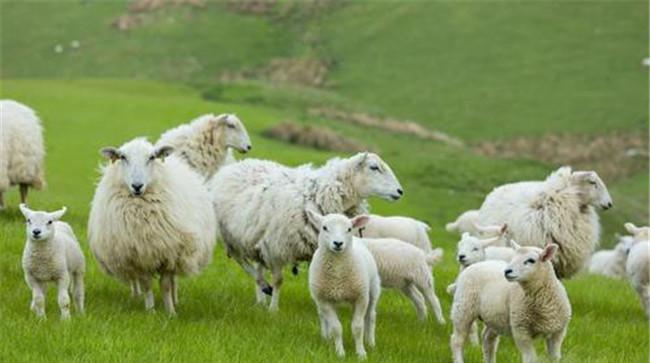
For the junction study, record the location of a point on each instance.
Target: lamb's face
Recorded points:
(592, 189)
(528, 261)
(137, 161)
(40, 225)
(335, 231)
(235, 133)
(472, 249)
(373, 177)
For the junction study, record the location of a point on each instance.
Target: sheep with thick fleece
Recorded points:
(205, 143)
(638, 264)
(342, 270)
(407, 268)
(464, 223)
(404, 229)
(260, 207)
(52, 254)
(561, 210)
(611, 263)
(21, 149)
(151, 215)
(522, 298)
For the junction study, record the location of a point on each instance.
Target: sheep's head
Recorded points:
(639, 233)
(233, 132)
(529, 261)
(624, 245)
(336, 230)
(591, 189)
(472, 249)
(373, 177)
(137, 160)
(40, 225)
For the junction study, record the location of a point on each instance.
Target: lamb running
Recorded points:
(523, 298)
(561, 209)
(404, 229)
(260, 207)
(52, 254)
(637, 267)
(611, 263)
(342, 270)
(151, 215)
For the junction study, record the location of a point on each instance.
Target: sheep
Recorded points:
(21, 149)
(52, 254)
(522, 298)
(260, 207)
(407, 268)
(464, 223)
(611, 263)
(637, 266)
(560, 210)
(342, 270)
(205, 142)
(402, 228)
(151, 214)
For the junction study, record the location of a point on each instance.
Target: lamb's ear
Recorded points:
(360, 221)
(583, 175)
(110, 153)
(315, 218)
(163, 151)
(631, 228)
(514, 244)
(360, 159)
(489, 241)
(549, 252)
(504, 229)
(220, 119)
(24, 210)
(58, 214)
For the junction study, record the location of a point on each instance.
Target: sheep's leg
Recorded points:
(276, 271)
(78, 291)
(175, 290)
(24, 188)
(644, 296)
(324, 323)
(459, 337)
(371, 317)
(38, 296)
(417, 299)
(554, 345)
(63, 297)
(432, 299)
(135, 288)
(358, 324)
(525, 345)
(2, 201)
(145, 283)
(167, 287)
(261, 285)
(490, 344)
(335, 328)
(473, 333)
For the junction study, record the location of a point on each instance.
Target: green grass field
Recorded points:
(478, 70)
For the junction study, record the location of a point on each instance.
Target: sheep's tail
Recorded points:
(452, 227)
(423, 234)
(434, 256)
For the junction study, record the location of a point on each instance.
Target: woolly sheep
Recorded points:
(638, 264)
(522, 298)
(407, 268)
(52, 254)
(260, 207)
(151, 214)
(611, 263)
(205, 142)
(342, 270)
(21, 149)
(404, 229)
(561, 210)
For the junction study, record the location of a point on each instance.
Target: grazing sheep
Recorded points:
(205, 142)
(407, 268)
(464, 223)
(560, 210)
(638, 264)
(523, 298)
(151, 214)
(21, 149)
(52, 254)
(342, 270)
(404, 229)
(611, 263)
(260, 207)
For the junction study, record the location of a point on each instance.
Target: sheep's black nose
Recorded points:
(137, 186)
(461, 258)
(507, 272)
(36, 232)
(249, 147)
(400, 191)
(337, 244)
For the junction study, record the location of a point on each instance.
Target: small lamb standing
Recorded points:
(343, 271)
(205, 143)
(611, 263)
(151, 215)
(638, 264)
(523, 298)
(52, 254)
(407, 268)
(561, 210)
(21, 149)
(404, 229)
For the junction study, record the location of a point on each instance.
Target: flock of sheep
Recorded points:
(159, 209)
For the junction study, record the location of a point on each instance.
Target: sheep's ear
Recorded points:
(58, 214)
(111, 153)
(489, 241)
(161, 152)
(549, 252)
(360, 221)
(360, 159)
(504, 228)
(631, 228)
(584, 175)
(514, 244)
(220, 119)
(315, 218)
(24, 210)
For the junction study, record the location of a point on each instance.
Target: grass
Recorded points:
(217, 319)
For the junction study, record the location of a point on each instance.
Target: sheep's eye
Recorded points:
(325, 228)
(151, 158)
(349, 230)
(530, 260)
(49, 222)
(29, 221)
(231, 126)
(593, 183)
(374, 168)
(122, 157)
(475, 249)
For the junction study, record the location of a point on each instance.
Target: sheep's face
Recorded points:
(336, 230)
(528, 261)
(592, 190)
(40, 225)
(472, 250)
(638, 233)
(137, 161)
(234, 133)
(373, 177)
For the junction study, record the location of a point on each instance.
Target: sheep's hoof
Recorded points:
(268, 290)
(294, 270)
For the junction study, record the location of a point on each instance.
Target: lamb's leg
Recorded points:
(358, 322)
(24, 188)
(490, 344)
(427, 290)
(335, 328)
(145, 283)
(324, 322)
(554, 345)
(462, 327)
(644, 296)
(371, 317)
(78, 291)
(418, 301)
(473, 334)
(525, 345)
(276, 271)
(63, 298)
(38, 296)
(167, 287)
(135, 288)
(175, 290)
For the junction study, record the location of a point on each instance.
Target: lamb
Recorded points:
(151, 214)
(343, 271)
(205, 143)
(21, 149)
(522, 298)
(611, 263)
(407, 268)
(260, 207)
(464, 223)
(52, 254)
(402, 228)
(561, 210)
(637, 266)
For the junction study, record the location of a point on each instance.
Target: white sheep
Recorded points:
(611, 263)
(151, 215)
(404, 229)
(205, 143)
(260, 207)
(52, 254)
(561, 210)
(522, 298)
(407, 268)
(342, 270)
(638, 264)
(21, 149)
(464, 223)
